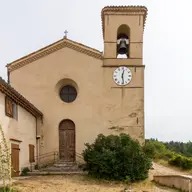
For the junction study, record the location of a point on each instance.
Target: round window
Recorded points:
(68, 93)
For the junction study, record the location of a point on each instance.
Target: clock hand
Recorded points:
(122, 76)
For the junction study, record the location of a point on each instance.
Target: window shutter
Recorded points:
(8, 107)
(31, 153)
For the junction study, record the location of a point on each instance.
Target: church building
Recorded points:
(80, 92)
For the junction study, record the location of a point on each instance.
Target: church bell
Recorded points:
(122, 44)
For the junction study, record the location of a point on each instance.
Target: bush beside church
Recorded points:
(116, 158)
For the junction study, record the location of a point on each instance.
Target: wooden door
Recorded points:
(15, 160)
(67, 141)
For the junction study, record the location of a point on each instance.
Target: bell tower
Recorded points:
(123, 28)
(123, 69)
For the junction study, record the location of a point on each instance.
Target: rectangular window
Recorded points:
(11, 109)
(31, 153)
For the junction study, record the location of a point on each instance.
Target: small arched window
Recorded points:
(68, 93)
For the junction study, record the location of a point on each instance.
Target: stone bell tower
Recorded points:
(126, 23)
(123, 28)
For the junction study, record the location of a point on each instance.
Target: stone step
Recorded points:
(69, 162)
(62, 166)
(65, 165)
(60, 169)
(36, 173)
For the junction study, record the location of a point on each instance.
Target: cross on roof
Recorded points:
(66, 32)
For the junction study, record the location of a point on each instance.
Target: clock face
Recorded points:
(122, 75)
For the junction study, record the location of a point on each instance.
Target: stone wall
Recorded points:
(182, 182)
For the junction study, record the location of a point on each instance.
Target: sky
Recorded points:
(27, 26)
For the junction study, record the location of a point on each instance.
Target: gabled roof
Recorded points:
(52, 48)
(18, 98)
(123, 9)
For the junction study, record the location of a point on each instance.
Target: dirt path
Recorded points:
(163, 170)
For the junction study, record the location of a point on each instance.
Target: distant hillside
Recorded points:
(177, 154)
(178, 147)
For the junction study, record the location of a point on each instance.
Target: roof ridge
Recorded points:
(64, 42)
(124, 6)
(75, 42)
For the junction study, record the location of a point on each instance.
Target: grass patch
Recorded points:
(7, 190)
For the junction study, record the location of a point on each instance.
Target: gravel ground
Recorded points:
(82, 183)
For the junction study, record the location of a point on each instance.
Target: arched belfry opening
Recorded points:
(123, 41)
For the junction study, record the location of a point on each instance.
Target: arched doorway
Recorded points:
(67, 140)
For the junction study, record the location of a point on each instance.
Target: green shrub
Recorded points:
(149, 149)
(25, 171)
(155, 149)
(168, 155)
(36, 167)
(187, 163)
(181, 161)
(176, 161)
(116, 158)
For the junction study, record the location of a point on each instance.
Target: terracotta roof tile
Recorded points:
(18, 98)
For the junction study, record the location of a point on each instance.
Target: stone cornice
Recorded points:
(19, 99)
(52, 48)
(142, 10)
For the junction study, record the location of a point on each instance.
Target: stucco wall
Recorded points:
(39, 87)
(23, 129)
(123, 109)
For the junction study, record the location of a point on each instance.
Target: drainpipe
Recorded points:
(37, 141)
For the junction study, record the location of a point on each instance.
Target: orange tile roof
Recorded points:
(18, 98)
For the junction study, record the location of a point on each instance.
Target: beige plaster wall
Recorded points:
(124, 107)
(23, 129)
(100, 107)
(39, 87)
